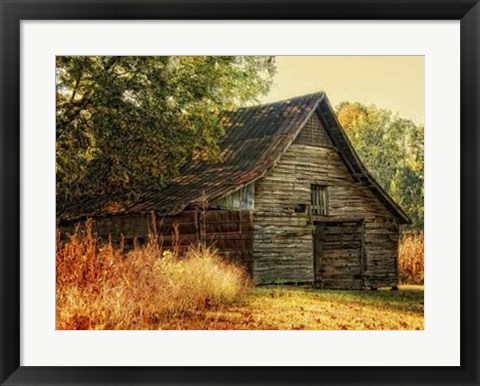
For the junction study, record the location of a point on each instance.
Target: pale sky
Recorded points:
(392, 82)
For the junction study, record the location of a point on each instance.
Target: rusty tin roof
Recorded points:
(255, 138)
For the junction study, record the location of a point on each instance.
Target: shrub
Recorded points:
(410, 258)
(100, 286)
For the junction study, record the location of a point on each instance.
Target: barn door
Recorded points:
(338, 255)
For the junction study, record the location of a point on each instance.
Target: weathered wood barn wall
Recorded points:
(230, 231)
(291, 201)
(283, 242)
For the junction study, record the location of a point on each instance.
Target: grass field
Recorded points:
(297, 308)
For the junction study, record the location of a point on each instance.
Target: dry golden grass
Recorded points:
(410, 259)
(101, 287)
(297, 308)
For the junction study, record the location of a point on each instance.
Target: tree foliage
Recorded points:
(124, 123)
(392, 149)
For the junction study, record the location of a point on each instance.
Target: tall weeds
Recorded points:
(100, 286)
(410, 259)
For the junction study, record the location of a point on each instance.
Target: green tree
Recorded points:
(124, 123)
(392, 149)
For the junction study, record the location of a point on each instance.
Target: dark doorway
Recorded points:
(338, 254)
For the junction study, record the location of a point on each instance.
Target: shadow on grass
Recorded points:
(408, 299)
(402, 300)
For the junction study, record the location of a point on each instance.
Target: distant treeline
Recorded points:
(391, 148)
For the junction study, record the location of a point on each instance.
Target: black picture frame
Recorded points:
(12, 12)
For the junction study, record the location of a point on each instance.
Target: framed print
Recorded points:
(268, 193)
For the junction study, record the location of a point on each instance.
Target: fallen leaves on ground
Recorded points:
(297, 308)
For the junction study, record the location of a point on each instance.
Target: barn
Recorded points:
(290, 200)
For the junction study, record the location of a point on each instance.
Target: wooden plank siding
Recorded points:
(243, 198)
(230, 231)
(283, 245)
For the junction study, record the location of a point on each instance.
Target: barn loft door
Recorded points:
(338, 255)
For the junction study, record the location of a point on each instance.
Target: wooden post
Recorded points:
(197, 226)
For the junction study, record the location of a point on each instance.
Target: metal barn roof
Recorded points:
(255, 138)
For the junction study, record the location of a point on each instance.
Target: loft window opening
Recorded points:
(314, 134)
(319, 200)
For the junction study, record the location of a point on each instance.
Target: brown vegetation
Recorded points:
(410, 258)
(100, 286)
